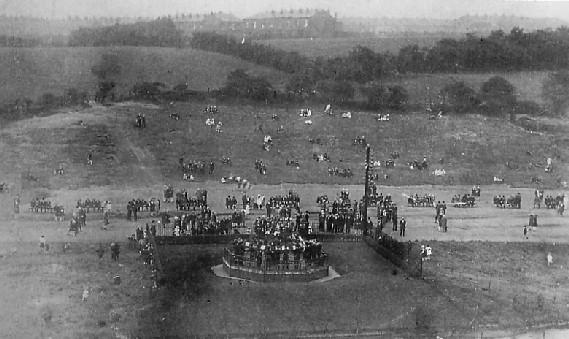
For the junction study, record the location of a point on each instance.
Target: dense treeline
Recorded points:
(161, 32)
(289, 62)
(518, 50)
(360, 65)
(13, 41)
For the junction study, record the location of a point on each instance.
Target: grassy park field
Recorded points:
(32, 72)
(471, 149)
(484, 276)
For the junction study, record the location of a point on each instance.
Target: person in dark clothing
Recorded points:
(394, 218)
(115, 251)
(402, 227)
(438, 211)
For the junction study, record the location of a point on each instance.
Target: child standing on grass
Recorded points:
(525, 232)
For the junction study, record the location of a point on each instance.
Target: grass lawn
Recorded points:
(470, 286)
(510, 282)
(32, 72)
(369, 296)
(41, 294)
(471, 149)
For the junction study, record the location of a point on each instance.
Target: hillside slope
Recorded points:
(31, 72)
(471, 149)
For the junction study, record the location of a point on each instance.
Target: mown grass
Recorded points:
(32, 72)
(511, 282)
(42, 293)
(370, 295)
(471, 149)
(467, 285)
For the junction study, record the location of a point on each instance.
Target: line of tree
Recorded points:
(161, 32)
(14, 41)
(518, 50)
(496, 98)
(360, 65)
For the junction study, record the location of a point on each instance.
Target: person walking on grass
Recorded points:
(437, 211)
(525, 232)
(44, 247)
(402, 227)
(443, 223)
(115, 251)
(549, 259)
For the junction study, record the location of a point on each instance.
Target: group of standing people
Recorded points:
(140, 120)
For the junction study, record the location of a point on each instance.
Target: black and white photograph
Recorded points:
(284, 169)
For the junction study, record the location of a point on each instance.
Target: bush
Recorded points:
(497, 96)
(240, 84)
(459, 97)
(393, 97)
(397, 97)
(147, 90)
(556, 92)
(49, 100)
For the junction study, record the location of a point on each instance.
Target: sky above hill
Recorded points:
(436, 9)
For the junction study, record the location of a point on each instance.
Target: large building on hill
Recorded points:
(302, 23)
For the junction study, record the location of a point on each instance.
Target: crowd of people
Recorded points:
(247, 202)
(204, 223)
(514, 201)
(93, 204)
(41, 205)
(290, 200)
(425, 200)
(136, 206)
(277, 247)
(185, 202)
(464, 200)
(338, 222)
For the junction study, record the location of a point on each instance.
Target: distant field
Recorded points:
(31, 72)
(342, 46)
